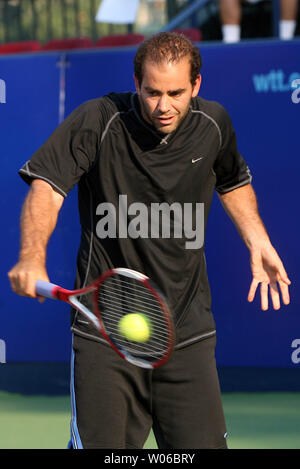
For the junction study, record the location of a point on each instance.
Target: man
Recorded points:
(231, 14)
(160, 144)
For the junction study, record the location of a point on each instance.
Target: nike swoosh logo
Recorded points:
(194, 160)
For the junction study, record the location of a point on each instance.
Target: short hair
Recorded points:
(167, 47)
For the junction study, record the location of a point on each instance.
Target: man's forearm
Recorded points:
(38, 220)
(241, 206)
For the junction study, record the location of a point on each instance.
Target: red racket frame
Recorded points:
(65, 295)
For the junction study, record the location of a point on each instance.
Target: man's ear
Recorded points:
(196, 86)
(137, 85)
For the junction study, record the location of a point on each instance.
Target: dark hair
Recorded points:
(167, 47)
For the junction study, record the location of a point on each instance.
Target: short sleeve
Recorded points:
(230, 167)
(69, 152)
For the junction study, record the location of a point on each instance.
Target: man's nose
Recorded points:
(163, 104)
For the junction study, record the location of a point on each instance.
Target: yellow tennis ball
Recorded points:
(136, 327)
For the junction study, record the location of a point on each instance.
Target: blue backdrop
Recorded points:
(253, 81)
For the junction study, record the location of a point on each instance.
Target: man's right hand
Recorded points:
(24, 275)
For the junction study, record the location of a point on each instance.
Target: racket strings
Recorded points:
(146, 309)
(130, 294)
(119, 296)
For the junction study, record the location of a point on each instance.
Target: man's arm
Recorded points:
(38, 220)
(267, 268)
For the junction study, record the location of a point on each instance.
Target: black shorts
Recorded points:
(115, 404)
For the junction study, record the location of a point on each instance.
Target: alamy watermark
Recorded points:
(2, 91)
(2, 351)
(295, 357)
(296, 92)
(159, 220)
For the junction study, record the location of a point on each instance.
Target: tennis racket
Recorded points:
(116, 293)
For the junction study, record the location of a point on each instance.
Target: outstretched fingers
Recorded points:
(272, 287)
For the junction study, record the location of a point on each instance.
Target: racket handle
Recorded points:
(45, 289)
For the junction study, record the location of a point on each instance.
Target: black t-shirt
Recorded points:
(129, 178)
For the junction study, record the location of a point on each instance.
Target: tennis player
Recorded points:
(161, 144)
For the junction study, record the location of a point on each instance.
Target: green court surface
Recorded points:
(254, 421)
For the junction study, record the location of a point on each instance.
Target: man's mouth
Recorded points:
(165, 120)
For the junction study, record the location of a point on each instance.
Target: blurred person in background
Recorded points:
(231, 13)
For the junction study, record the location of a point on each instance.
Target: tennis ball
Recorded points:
(136, 327)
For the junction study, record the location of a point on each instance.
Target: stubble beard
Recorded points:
(161, 128)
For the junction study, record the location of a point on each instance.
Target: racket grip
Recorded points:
(45, 289)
